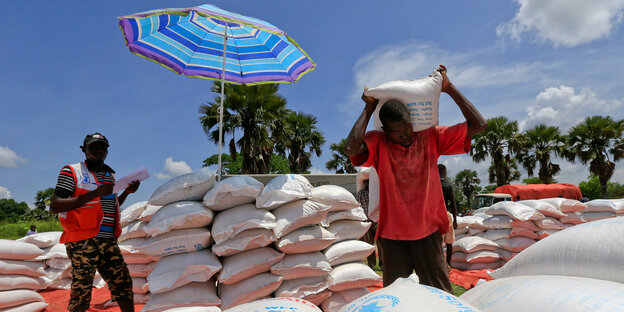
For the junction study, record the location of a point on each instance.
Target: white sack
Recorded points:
(572, 218)
(348, 251)
(149, 212)
(352, 275)
(480, 256)
(245, 240)
(370, 174)
(14, 250)
(176, 241)
(130, 246)
(596, 215)
(474, 243)
(132, 213)
(529, 225)
(546, 293)
(12, 298)
(520, 231)
(549, 223)
(600, 205)
(421, 97)
(141, 269)
(133, 230)
(301, 287)
(250, 289)
(28, 307)
(232, 221)
(541, 234)
(515, 210)
(318, 298)
(302, 265)
(56, 251)
(336, 197)
(498, 222)
(406, 295)
(338, 299)
(543, 207)
(43, 239)
(177, 270)
(191, 186)
(298, 214)
(477, 266)
(580, 250)
(58, 263)
(473, 222)
(139, 259)
(271, 304)
(515, 244)
(348, 229)
(495, 234)
(356, 214)
(566, 205)
(190, 295)
(307, 239)
(248, 263)
(19, 267)
(283, 189)
(231, 192)
(9, 282)
(178, 215)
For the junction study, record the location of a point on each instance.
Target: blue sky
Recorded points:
(66, 73)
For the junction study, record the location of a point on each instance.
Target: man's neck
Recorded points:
(94, 165)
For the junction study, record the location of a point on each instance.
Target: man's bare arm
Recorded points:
(355, 144)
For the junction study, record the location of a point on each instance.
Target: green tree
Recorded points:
(467, 181)
(340, 162)
(598, 141)
(259, 111)
(498, 141)
(536, 147)
(489, 188)
(12, 211)
(592, 189)
(302, 138)
(42, 202)
(536, 180)
(279, 164)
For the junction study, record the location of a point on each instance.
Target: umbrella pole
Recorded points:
(222, 98)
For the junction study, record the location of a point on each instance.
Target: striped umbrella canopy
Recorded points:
(211, 43)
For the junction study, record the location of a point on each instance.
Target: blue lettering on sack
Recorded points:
(198, 246)
(374, 304)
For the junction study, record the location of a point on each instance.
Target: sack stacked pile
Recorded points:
(494, 235)
(20, 276)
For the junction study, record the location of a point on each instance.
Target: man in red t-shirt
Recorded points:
(412, 213)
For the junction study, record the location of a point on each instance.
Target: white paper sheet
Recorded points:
(139, 174)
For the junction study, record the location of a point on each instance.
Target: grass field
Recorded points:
(19, 229)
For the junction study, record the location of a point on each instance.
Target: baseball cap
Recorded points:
(95, 137)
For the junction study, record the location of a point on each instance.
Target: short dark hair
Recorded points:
(442, 170)
(393, 110)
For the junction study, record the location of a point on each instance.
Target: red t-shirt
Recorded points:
(411, 203)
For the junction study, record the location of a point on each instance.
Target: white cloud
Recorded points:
(10, 159)
(618, 175)
(457, 163)
(563, 106)
(564, 22)
(173, 169)
(314, 170)
(4, 192)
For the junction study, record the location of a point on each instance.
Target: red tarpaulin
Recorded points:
(537, 191)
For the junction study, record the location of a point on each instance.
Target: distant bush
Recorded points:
(15, 230)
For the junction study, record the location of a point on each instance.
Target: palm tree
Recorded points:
(259, 111)
(340, 161)
(592, 141)
(537, 145)
(508, 171)
(467, 181)
(498, 141)
(301, 139)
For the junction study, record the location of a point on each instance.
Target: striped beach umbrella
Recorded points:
(211, 43)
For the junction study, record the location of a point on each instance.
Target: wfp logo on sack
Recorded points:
(379, 303)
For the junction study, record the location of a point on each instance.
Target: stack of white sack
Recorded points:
(407, 295)
(19, 277)
(514, 226)
(583, 264)
(177, 237)
(347, 222)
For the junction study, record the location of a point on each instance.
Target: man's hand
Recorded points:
(132, 187)
(371, 102)
(446, 83)
(104, 189)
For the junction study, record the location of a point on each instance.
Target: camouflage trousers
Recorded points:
(104, 255)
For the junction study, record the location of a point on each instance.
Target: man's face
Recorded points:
(400, 132)
(96, 151)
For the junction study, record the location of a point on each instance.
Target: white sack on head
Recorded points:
(231, 192)
(248, 263)
(176, 241)
(302, 265)
(352, 275)
(406, 295)
(232, 221)
(132, 213)
(348, 251)
(336, 197)
(14, 250)
(421, 97)
(546, 293)
(307, 239)
(298, 214)
(190, 295)
(245, 240)
(178, 215)
(255, 287)
(283, 189)
(576, 251)
(190, 186)
(180, 269)
(43, 239)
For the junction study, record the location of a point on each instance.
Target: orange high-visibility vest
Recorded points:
(84, 222)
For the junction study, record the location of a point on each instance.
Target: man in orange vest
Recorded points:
(89, 213)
